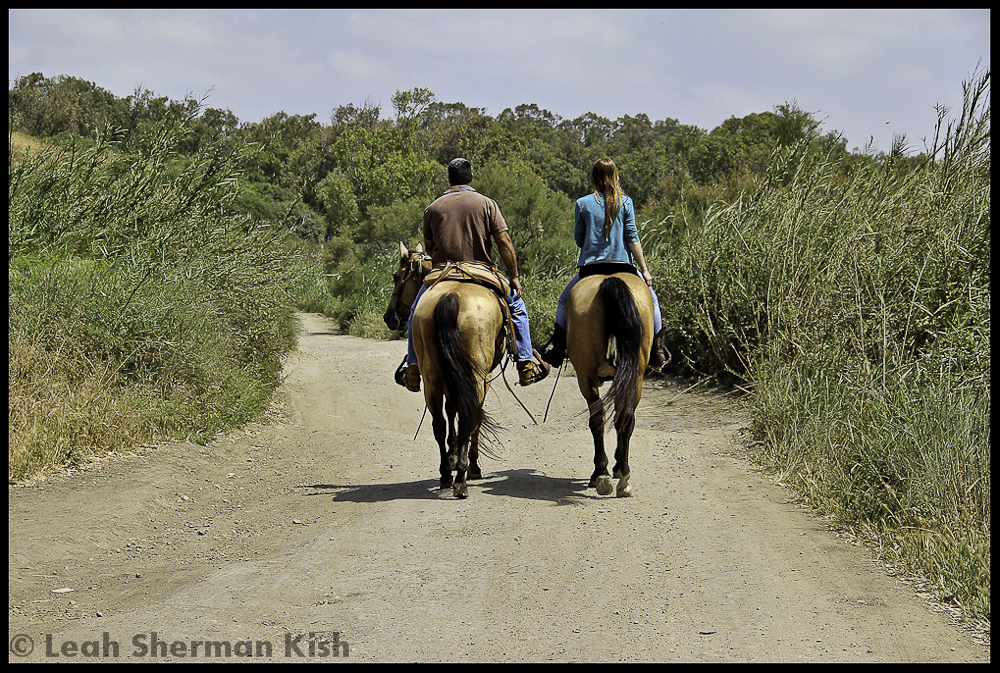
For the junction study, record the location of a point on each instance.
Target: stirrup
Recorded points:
(532, 372)
(553, 356)
(413, 378)
(402, 377)
(554, 350)
(660, 356)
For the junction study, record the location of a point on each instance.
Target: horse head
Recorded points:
(407, 279)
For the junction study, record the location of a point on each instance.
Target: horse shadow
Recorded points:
(535, 485)
(423, 489)
(514, 483)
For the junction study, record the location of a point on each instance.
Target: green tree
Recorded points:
(589, 129)
(540, 219)
(455, 130)
(793, 124)
(46, 107)
(381, 159)
(278, 136)
(339, 204)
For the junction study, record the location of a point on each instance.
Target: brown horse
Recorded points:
(609, 332)
(458, 338)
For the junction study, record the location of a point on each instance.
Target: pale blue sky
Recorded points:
(855, 69)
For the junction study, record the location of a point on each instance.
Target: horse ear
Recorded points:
(403, 253)
(420, 248)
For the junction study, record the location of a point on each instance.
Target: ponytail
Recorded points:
(604, 176)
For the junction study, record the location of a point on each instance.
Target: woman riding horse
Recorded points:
(607, 318)
(605, 231)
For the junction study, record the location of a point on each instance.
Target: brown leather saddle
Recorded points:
(483, 274)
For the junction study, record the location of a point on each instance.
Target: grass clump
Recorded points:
(853, 301)
(140, 305)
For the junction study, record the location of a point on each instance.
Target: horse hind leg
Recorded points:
(460, 461)
(453, 445)
(440, 425)
(475, 472)
(467, 466)
(461, 487)
(600, 479)
(625, 425)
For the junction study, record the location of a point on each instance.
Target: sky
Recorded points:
(867, 74)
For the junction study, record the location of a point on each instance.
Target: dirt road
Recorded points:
(322, 534)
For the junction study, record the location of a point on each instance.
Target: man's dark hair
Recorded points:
(460, 171)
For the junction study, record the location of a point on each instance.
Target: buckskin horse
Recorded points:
(458, 338)
(609, 332)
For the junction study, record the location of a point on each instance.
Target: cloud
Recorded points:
(92, 28)
(178, 32)
(357, 65)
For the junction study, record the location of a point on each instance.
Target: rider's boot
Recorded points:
(529, 371)
(555, 349)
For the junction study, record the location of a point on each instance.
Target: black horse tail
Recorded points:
(622, 320)
(459, 371)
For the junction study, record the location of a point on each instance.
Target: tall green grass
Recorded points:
(854, 302)
(140, 305)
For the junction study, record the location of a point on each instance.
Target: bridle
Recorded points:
(417, 267)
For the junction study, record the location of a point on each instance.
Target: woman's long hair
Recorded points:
(605, 178)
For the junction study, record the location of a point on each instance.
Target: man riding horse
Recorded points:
(460, 226)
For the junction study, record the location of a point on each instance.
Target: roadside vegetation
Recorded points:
(853, 301)
(138, 304)
(158, 249)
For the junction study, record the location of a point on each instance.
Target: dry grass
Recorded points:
(138, 302)
(856, 304)
(20, 142)
(61, 408)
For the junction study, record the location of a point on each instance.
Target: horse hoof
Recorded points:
(604, 485)
(446, 482)
(462, 491)
(625, 492)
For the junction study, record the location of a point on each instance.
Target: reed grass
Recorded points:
(140, 305)
(854, 302)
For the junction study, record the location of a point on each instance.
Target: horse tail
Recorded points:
(622, 320)
(459, 371)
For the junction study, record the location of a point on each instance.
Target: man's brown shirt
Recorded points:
(462, 223)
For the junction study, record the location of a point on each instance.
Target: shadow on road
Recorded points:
(527, 483)
(424, 489)
(520, 483)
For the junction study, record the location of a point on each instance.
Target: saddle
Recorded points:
(473, 272)
(483, 274)
(606, 269)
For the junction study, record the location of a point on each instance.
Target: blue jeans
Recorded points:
(564, 297)
(518, 313)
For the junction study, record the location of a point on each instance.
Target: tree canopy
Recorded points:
(338, 179)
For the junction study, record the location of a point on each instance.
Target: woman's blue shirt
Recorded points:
(589, 231)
